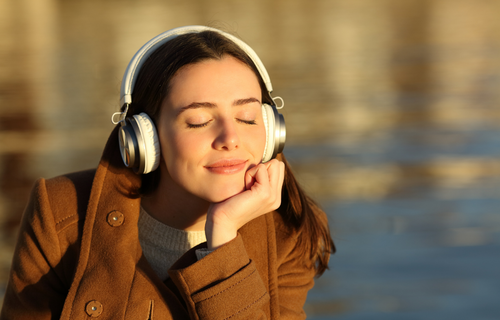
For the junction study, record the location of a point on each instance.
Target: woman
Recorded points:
(212, 233)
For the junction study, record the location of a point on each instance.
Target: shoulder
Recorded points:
(66, 196)
(298, 244)
(79, 181)
(286, 235)
(272, 231)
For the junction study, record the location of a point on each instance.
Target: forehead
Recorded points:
(227, 78)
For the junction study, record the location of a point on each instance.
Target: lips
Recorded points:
(227, 166)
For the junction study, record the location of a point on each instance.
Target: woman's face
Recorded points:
(211, 129)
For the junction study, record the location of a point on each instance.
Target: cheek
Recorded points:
(255, 140)
(181, 149)
(169, 148)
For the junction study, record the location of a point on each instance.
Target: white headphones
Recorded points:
(139, 143)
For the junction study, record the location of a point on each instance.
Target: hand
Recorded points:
(263, 185)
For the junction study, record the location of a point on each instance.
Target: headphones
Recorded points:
(137, 136)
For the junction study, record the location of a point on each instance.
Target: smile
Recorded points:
(227, 166)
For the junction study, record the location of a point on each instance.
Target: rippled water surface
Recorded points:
(393, 124)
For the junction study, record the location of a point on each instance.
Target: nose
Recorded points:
(227, 137)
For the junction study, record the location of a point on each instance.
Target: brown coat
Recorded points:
(78, 256)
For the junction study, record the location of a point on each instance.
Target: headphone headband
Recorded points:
(141, 56)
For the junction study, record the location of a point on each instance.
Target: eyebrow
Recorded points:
(245, 101)
(209, 105)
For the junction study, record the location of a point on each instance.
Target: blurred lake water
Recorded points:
(393, 125)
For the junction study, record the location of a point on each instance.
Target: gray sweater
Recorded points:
(163, 245)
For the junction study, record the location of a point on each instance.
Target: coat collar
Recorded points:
(112, 168)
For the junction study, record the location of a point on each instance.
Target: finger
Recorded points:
(281, 178)
(261, 176)
(253, 169)
(277, 179)
(268, 163)
(282, 164)
(249, 178)
(274, 172)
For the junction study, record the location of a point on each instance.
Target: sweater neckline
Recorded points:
(160, 234)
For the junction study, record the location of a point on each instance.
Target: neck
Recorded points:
(172, 205)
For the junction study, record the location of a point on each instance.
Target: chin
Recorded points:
(216, 195)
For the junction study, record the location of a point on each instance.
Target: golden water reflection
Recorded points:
(392, 112)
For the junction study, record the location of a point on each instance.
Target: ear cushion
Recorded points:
(269, 123)
(150, 143)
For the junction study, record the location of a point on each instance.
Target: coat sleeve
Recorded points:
(35, 289)
(223, 285)
(226, 285)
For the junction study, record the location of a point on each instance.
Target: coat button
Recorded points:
(93, 308)
(115, 218)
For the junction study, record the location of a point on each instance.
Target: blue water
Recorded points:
(383, 273)
(418, 254)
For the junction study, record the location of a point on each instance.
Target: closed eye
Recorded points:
(251, 122)
(200, 125)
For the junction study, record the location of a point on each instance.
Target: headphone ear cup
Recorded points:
(149, 144)
(128, 145)
(268, 118)
(275, 132)
(139, 144)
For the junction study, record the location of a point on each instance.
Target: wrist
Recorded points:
(218, 234)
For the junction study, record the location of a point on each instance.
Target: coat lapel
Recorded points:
(109, 249)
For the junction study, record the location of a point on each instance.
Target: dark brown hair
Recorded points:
(152, 86)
